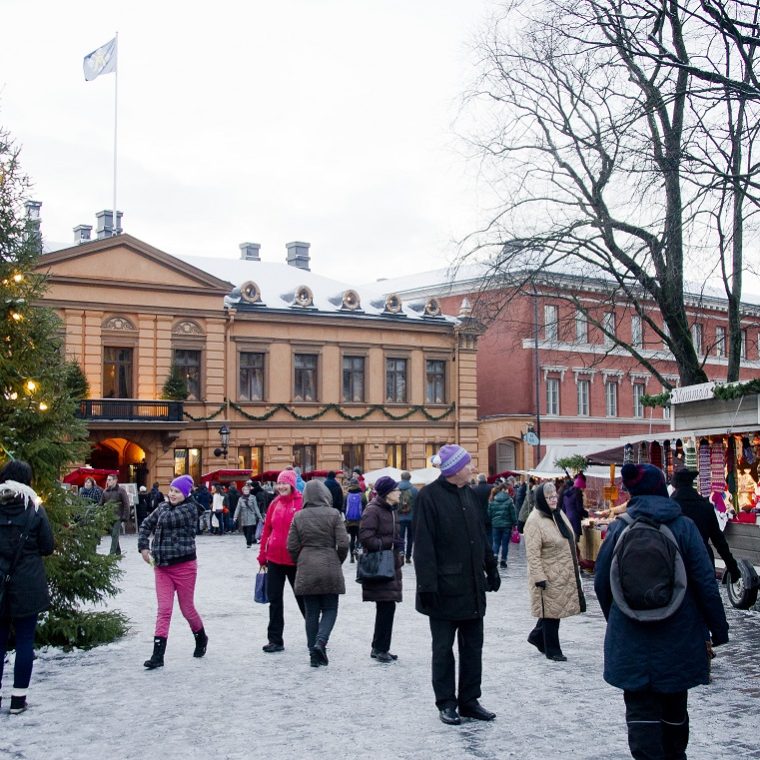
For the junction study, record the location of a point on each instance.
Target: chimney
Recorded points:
(82, 233)
(105, 224)
(298, 255)
(250, 251)
(34, 220)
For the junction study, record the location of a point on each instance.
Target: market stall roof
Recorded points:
(425, 475)
(225, 476)
(78, 476)
(582, 446)
(391, 472)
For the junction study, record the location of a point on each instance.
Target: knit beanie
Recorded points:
(385, 485)
(183, 483)
(644, 480)
(289, 477)
(453, 459)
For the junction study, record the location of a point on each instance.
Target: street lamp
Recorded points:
(224, 438)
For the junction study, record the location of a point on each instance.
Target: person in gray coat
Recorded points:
(247, 515)
(318, 543)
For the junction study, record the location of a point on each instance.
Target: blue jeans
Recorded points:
(319, 628)
(501, 538)
(22, 668)
(407, 536)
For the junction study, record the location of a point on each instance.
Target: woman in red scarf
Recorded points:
(275, 557)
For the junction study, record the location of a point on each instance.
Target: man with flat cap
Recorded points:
(455, 567)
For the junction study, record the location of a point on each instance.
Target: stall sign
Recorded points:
(610, 493)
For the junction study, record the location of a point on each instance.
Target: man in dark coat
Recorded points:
(482, 491)
(335, 490)
(115, 495)
(701, 511)
(657, 662)
(454, 566)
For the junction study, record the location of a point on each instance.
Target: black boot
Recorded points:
(201, 641)
(157, 658)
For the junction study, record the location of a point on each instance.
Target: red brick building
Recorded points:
(543, 366)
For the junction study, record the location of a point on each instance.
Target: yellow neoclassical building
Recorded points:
(299, 368)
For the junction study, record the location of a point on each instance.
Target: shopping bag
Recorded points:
(515, 538)
(376, 567)
(260, 588)
(214, 521)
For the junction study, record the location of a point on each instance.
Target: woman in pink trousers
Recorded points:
(172, 553)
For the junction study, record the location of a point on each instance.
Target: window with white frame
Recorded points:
(609, 325)
(611, 398)
(720, 341)
(665, 409)
(581, 327)
(744, 344)
(637, 336)
(551, 322)
(696, 337)
(584, 397)
(552, 395)
(639, 389)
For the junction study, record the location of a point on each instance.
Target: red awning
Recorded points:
(78, 476)
(505, 474)
(226, 476)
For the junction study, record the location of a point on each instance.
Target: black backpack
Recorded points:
(647, 574)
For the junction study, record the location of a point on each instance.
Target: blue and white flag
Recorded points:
(100, 61)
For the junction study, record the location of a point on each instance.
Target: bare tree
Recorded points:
(616, 162)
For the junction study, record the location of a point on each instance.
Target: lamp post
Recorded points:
(224, 438)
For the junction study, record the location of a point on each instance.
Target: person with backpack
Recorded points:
(407, 497)
(501, 513)
(356, 500)
(657, 590)
(553, 574)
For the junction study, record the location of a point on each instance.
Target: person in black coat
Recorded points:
(455, 567)
(26, 594)
(335, 490)
(378, 530)
(701, 511)
(482, 491)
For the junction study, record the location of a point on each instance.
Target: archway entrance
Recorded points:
(502, 456)
(122, 455)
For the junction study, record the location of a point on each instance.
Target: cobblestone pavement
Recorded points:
(240, 703)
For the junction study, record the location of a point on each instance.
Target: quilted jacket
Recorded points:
(173, 529)
(550, 559)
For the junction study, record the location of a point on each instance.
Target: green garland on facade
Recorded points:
(324, 410)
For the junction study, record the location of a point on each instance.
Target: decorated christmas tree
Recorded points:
(39, 397)
(175, 387)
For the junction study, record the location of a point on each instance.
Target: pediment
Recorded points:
(127, 261)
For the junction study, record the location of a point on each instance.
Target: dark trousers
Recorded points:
(276, 576)
(658, 724)
(353, 533)
(384, 613)
(249, 531)
(547, 630)
(407, 536)
(22, 667)
(469, 634)
(321, 614)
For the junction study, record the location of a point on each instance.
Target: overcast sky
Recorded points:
(328, 121)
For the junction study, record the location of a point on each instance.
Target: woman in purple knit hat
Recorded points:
(172, 554)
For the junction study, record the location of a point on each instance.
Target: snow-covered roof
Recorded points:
(270, 285)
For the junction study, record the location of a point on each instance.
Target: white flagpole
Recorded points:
(115, 218)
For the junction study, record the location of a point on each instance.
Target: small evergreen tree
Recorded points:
(39, 396)
(175, 387)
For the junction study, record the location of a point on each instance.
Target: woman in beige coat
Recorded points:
(553, 577)
(318, 543)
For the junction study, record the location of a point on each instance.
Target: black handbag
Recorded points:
(5, 578)
(377, 567)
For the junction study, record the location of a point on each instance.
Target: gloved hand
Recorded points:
(428, 599)
(541, 584)
(493, 579)
(734, 572)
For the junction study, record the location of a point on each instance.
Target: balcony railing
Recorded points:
(130, 409)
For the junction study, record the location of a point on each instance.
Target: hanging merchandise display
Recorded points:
(655, 454)
(690, 456)
(704, 467)
(667, 455)
(717, 466)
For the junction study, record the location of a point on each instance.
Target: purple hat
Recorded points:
(183, 483)
(453, 459)
(385, 485)
(644, 480)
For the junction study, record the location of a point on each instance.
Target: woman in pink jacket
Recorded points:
(275, 556)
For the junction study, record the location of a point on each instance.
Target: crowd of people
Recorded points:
(457, 532)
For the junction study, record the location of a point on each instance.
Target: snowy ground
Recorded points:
(240, 703)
